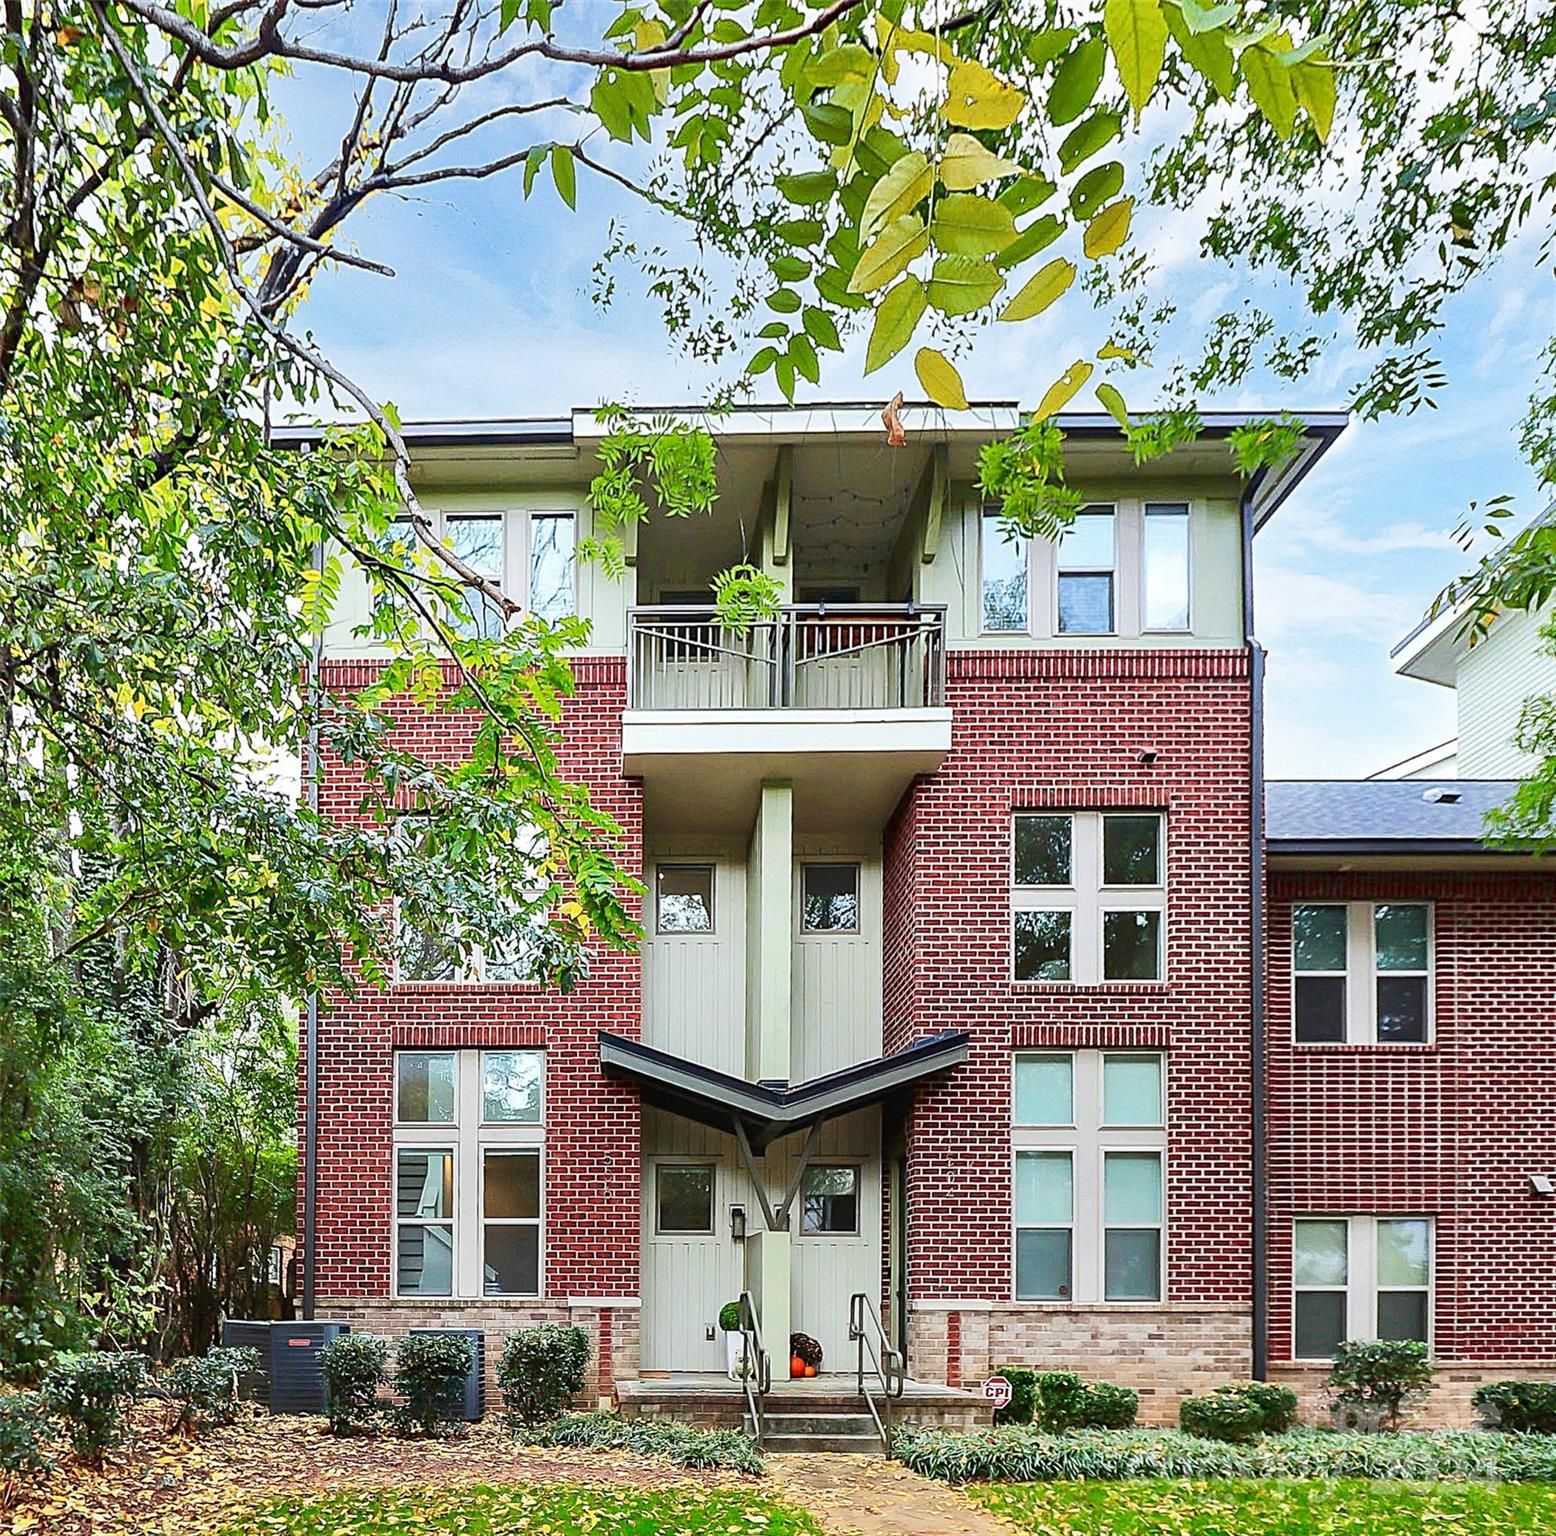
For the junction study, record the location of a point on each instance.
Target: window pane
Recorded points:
(1132, 1265)
(1402, 1315)
(424, 1261)
(1320, 1324)
(478, 542)
(512, 1185)
(1131, 850)
(1318, 938)
(1043, 1264)
(426, 954)
(1132, 1189)
(685, 1197)
(1401, 938)
(831, 903)
(1045, 1090)
(1088, 541)
(1043, 850)
(510, 1261)
(551, 566)
(510, 1085)
(425, 1087)
(685, 900)
(1402, 1009)
(1131, 1090)
(1131, 946)
(1166, 593)
(424, 1182)
(1320, 1256)
(1004, 577)
(1042, 946)
(831, 1200)
(1085, 605)
(1320, 1009)
(1404, 1252)
(1044, 1195)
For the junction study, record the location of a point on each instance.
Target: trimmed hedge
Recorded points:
(1518, 1407)
(1221, 1416)
(1027, 1455)
(687, 1447)
(541, 1371)
(1060, 1400)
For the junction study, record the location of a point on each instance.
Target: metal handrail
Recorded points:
(886, 1363)
(756, 1365)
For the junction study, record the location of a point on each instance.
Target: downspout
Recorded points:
(311, 1043)
(1257, 1037)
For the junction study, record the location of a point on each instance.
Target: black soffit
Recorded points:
(767, 1111)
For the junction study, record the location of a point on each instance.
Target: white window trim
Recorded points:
(1161, 508)
(470, 1137)
(1361, 1286)
(1115, 570)
(1088, 1140)
(1362, 973)
(517, 527)
(1086, 899)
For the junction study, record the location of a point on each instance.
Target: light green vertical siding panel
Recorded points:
(769, 927)
(1216, 571)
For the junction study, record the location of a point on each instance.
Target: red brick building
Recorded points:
(967, 984)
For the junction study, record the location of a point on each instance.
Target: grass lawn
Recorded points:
(1317, 1508)
(555, 1510)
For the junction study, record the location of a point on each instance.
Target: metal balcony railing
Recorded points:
(821, 656)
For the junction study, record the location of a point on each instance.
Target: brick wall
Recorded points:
(1064, 730)
(1450, 1130)
(592, 1124)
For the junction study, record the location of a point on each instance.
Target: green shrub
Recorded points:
(355, 1367)
(1277, 1405)
(1108, 1406)
(204, 1388)
(1372, 1381)
(729, 1317)
(1023, 1395)
(1518, 1407)
(90, 1395)
(25, 1424)
(727, 1449)
(430, 1370)
(541, 1372)
(1221, 1416)
(1064, 1402)
(1016, 1454)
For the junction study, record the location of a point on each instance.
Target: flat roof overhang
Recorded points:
(768, 1111)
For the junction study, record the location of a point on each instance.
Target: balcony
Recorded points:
(846, 701)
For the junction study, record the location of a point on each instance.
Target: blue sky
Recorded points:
(490, 314)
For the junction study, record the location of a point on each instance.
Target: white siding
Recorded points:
(1493, 681)
(837, 977)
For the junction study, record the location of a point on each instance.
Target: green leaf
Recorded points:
(899, 191)
(1086, 138)
(969, 225)
(1076, 82)
(977, 98)
(895, 321)
(832, 285)
(888, 255)
(1109, 229)
(1137, 34)
(785, 301)
(1207, 18)
(1313, 82)
(1028, 193)
(828, 122)
(1207, 53)
(532, 164)
(1034, 238)
(799, 231)
(802, 353)
(1063, 390)
(790, 269)
(774, 329)
(878, 150)
(807, 188)
(1040, 290)
(783, 372)
(1113, 404)
(1042, 48)
(763, 360)
(822, 329)
(851, 61)
(960, 284)
(1270, 86)
(1095, 188)
(942, 383)
(967, 164)
(564, 174)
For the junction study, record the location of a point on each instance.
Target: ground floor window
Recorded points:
(468, 1173)
(829, 1200)
(1360, 1277)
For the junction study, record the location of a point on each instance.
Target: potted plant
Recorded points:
(734, 1343)
(804, 1355)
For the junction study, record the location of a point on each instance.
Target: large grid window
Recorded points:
(1359, 1277)
(1089, 896)
(1361, 973)
(1087, 597)
(1164, 567)
(529, 555)
(1089, 1148)
(468, 1173)
(1005, 562)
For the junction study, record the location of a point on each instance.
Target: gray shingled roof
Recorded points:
(1387, 811)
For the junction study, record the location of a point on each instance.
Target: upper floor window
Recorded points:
(551, 539)
(683, 898)
(1164, 570)
(1089, 896)
(1005, 566)
(1360, 1277)
(1361, 972)
(531, 554)
(480, 543)
(1088, 559)
(829, 898)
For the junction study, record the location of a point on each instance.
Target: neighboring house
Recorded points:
(950, 993)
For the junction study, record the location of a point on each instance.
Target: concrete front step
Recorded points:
(809, 1432)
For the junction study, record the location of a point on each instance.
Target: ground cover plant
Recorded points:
(510, 1511)
(726, 1449)
(1341, 1508)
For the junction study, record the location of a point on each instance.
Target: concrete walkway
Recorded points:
(870, 1496)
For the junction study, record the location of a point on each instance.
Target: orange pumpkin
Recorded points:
(810, 1370)
(796, 1366)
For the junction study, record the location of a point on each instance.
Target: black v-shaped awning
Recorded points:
(766, 1111)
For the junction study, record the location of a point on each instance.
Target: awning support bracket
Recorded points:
(758, 1183)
